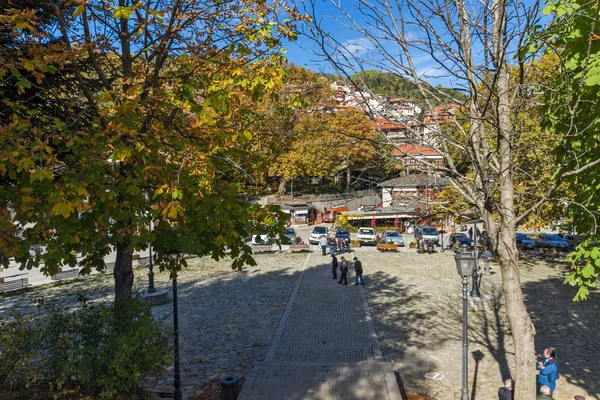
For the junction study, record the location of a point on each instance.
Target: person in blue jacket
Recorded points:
(548, 370)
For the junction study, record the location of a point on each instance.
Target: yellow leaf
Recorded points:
(79, 10)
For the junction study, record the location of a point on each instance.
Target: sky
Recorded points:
(302, 52)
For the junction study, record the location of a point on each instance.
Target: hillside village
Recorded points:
(405, 199)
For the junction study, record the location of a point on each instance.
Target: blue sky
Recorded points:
(302, 51)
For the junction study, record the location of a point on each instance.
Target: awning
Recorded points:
(301, 212)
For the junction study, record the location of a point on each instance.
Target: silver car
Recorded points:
(392, 237)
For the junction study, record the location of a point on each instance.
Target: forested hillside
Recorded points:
(389, 84)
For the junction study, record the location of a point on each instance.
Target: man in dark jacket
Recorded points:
(358, 271)
(334, 265)
(506, 392)
(343, 270)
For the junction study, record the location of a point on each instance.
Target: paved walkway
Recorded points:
(325, 346)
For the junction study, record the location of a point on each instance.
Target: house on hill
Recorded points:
(409, 156)
(411, 190)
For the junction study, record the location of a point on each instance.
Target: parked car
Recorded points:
(540, 241)
(316, 234)
(342, 234)
(289, 234)
(426, 232)
(554, 241)
(263, 238)
(367, 236)
(392, 237)
(525, 242)
(37, 248)
(571, 239)
(460, 238)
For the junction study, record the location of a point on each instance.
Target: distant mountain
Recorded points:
(392, 85)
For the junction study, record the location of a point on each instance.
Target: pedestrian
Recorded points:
(487, 255)
(545, 393)
(334, 265)
(343, 270)
(471, 233)
(506, 392)
(358, 272)
(323, 243)
(332, 243)
(548, 370)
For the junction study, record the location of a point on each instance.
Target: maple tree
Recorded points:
(161, 133)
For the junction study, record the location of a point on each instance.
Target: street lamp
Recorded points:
(151, 288)
(177, 393)
(465, 264)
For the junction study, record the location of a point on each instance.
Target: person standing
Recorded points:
(334, 265)
(343, 270)
(506, 392)
(358, 271)
(487, 255)
(323, 243)
(548, 370)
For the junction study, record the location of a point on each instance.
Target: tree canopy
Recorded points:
(152, 128)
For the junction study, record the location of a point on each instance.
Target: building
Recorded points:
(409, 157)
(411, 191)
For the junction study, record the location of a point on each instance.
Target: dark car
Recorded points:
(342, 234)
(459, 237)
(525, 242)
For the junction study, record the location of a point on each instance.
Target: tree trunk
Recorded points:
(522, 329)
(123, 273)
(282, 188)
(348, 178)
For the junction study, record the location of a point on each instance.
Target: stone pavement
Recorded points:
(325, 346)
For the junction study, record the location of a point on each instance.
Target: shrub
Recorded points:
(98, 349)
(19, 340)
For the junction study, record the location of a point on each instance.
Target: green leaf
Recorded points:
(29, 65)
(133, 190)
(122, 12)
(588, 271)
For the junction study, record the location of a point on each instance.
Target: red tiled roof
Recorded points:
(386, 125)
(414, 150)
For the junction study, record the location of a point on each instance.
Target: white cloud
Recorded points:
(357, 47)
(428, 72)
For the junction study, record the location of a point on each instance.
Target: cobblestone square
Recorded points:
(229, 320)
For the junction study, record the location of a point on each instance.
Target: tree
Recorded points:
(573, 109)
(304, 137)
(474, 47)
(165, 136)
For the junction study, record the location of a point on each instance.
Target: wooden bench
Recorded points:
(299, 247)
(387, 247)
(17, 284)
(60, 275)
(262, 248)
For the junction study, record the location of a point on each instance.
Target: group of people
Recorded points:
(335, 246)
(343, 266)
(546, 381)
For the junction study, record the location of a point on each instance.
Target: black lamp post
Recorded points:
(151, 288)
(177, 393)
(475, 274)
(465, 263)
